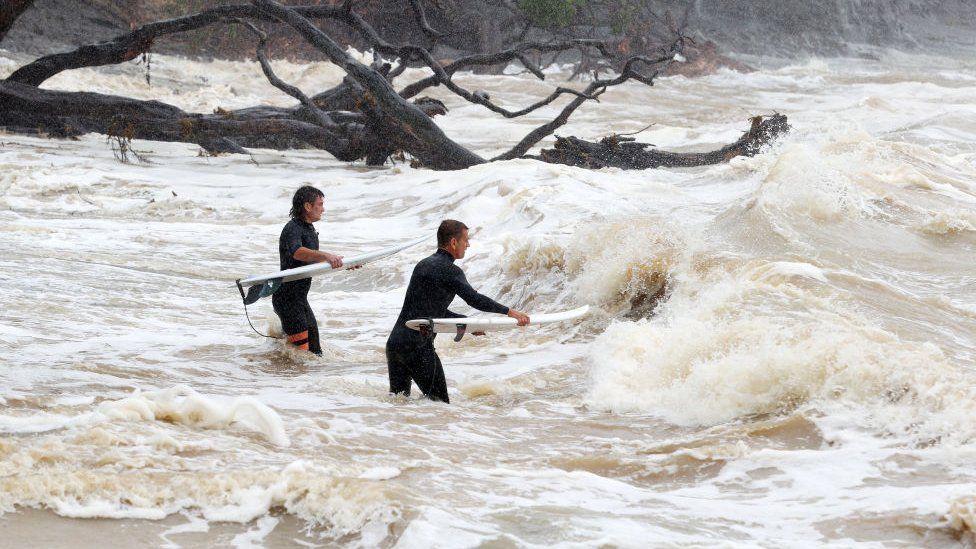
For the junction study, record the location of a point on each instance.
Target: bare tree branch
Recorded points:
(10, 10)
(322, 118)
(130, 45)
(530, 66)
(404, 123)
(546, 129)
(418, 11)
(595, 89)
(481, 98)
(495, 59)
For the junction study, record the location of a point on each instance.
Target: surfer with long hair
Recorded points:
(298, 245)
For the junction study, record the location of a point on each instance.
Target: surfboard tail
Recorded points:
(258, 291)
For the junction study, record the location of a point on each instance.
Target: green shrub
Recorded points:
(549, 13)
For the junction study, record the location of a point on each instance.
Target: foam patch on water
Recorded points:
(36, 423)
(185, 406)
(321, 496)
(949, 223)
(805, 183)
(851, 175)
(962, 516)
(380, 473)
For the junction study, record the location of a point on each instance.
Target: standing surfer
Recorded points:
(410, 355)
(298, 245)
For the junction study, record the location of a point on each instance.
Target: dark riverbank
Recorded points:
(789, 28)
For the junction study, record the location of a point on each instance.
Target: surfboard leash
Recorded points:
(250, 297)
(252, 325)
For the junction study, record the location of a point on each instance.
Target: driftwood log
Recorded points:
(624, 152)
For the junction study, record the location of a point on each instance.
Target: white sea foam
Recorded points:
(320, 496)
(949, 223)
(184, 405)
(760, 341)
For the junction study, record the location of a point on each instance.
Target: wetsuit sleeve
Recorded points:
(459, 285)
(291, 240)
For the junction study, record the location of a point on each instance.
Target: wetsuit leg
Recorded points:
(314, 345)
(294, 315)
(419, 363)
(398, 367)
(428, 373)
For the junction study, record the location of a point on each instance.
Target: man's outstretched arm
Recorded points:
(483, 302)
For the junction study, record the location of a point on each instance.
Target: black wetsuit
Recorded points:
(409, 355)
(291, 300)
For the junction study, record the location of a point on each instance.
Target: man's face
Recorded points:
(314, 210)
(460, 244)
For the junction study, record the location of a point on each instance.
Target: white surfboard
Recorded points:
(267, 284)
(460, 326)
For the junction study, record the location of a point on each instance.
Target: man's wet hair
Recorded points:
(449, 229)
(304, 195)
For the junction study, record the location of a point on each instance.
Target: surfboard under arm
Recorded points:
(460, 326)
(259, 286)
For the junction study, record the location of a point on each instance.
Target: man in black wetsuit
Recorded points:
(298, 245)
(434, 283)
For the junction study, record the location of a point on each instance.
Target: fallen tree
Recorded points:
(363, 117)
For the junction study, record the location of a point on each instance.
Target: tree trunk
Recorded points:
(67, 114)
